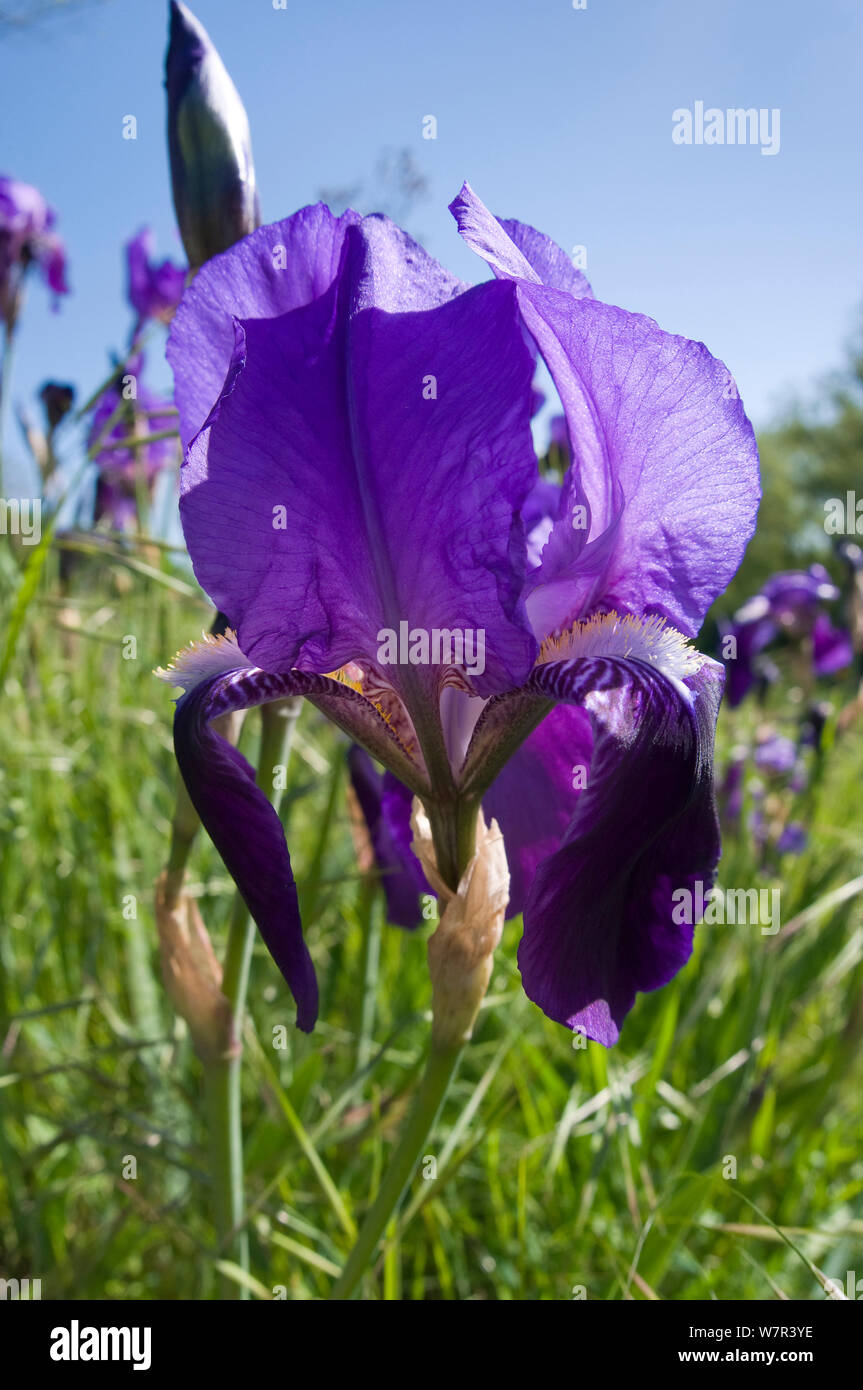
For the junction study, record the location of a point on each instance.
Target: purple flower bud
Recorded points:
(57, 400)
(212, 174)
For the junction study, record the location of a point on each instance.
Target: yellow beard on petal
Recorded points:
(650, 639)
(350, 674)
(382, 699)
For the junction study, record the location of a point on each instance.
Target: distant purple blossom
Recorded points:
(790, 604)
(154, 288)
(27, 238)
(776, 753)
(386, 813)
(793, 839)
(124, 470)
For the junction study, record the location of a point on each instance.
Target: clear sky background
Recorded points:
(558, 117)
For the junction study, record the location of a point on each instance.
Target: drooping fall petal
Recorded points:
(600, 919)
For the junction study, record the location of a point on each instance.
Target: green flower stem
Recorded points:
(439, 1071)
(371, 917)
(5, 384)
(222, 1076)
(453, 827)
(184, 827)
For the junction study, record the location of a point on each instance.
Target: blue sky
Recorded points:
(557, 116)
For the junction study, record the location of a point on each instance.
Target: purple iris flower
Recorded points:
(558, 437)
(832, 648)
(796, 596)
(791, 603)
(123, 470)
(731, 789)
(793, 840)
(154, 288)
(27, 237)
(385, 805)
(359, 476)
(776, 753)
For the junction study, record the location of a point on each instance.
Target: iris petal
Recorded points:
(533, 798)
(386, 808)
(367, 471)
(281, 267)
(598, 921)
(665, 460)
(236, 814)
(243, 825)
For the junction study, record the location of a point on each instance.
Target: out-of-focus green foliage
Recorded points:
(558, 1170)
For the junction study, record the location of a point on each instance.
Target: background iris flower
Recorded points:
(27, 238)
(154, 288)
(791, 604)
(126, 472)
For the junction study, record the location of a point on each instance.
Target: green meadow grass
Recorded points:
(558, 1169)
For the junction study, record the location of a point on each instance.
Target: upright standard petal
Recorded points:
(663, 491)
(515, 251)
(365, 470)
(280, 267)
(285, 266)
(606, 914)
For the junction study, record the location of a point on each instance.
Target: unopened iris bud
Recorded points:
(461, 951)
(191, 972)
(57, 400)
(209, 144)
